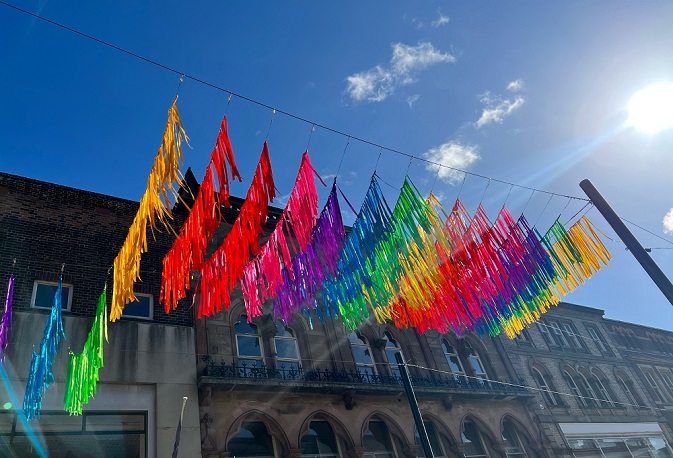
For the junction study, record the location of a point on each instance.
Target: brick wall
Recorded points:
(44, 225)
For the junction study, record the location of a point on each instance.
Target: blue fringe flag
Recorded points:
(41, 375)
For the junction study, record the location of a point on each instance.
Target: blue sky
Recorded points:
(532, 93)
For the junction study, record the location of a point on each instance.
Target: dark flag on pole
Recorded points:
(179, 429)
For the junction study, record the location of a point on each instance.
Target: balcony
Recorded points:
(259, 377)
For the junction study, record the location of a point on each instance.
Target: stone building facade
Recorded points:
(593, 395)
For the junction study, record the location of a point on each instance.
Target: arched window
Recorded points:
(587, 390)
(248, 342)
(377, 441)
(439, 442)
(362, 354)
(453, 361)
(515, 444)
(601, 388)
(545, 386)
(627, 385)
(319, 441)
(391, 348)
(287, 351)
(253, 440)
(570, 380)
(476, 363)
(476, 443)
(657, 395)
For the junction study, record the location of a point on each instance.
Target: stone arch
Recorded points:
(272, 426)
(441, 426)
(392, 425)
(483, 425)
(520, 426)
(483, 353)
(337, 425)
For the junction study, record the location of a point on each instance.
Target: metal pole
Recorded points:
(629, 240)
(420, 426)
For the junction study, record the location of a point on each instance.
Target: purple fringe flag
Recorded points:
(41, 374)
(6, 323)
(313, 265)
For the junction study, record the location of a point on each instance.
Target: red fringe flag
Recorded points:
(188, 250)
(220, 273)
(264, 274)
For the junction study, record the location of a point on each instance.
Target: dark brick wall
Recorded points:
(44, 225)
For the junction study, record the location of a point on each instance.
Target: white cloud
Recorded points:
(413, 99)
(668, 222)
(515, 86)
(497, 108)
(440, 21)
(378, 83)
(455, 157)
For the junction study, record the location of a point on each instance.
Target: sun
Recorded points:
(651, 108)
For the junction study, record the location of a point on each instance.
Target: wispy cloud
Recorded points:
(668, 222)
(379, 82)
(413, 99)
(440, 21)
(497, 108)
(454, 155)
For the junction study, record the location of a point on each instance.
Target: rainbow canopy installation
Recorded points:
(269, 269)
(6, 323)
(83, 367)
(221, 272)
(41, 374)
(188, 250)
(155, 206)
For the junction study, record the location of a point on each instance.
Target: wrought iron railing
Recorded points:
(254, 370)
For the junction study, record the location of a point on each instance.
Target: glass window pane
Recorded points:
(51, 422)
(249, 346)
(44, 296)
(377, 438)
(6, 420)
(286, 348)
(472, 440)
(142, 308)
(319, 441)
(243, 327)
(252, 441)
(282, 330)
(98, 422)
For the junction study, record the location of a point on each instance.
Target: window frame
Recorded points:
(393, 367)
(626, 384)
(281, 360)
(364, 342)
(137, 317)
(482, 377)
(70, 287)
(599, 340)
(546, 335)
(570, 381)
(458, 376)
(649, 376)
(242, 358)
(547, 392)
(606, 399)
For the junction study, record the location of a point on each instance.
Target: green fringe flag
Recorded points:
(83, 367)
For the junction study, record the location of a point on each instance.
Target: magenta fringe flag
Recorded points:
(264, 273)
(6, 323)
(313, 265)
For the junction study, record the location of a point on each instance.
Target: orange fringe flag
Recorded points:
(155, 206)
(188, 250)
(222, 271)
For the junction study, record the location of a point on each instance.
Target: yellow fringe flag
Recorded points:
(155, 205)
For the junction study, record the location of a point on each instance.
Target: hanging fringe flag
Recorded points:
(220, 273)
(41, 375)
(343, 291)
(264, 274)
(155, 205)
(83, 367)
(188, 250)
(302, 280)
(6, 323)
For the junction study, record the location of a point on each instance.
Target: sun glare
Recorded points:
(651, 108)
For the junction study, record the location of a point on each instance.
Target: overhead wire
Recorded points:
(265, 105)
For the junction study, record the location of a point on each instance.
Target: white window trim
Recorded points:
(51, 283)
(281, 360)
(136, 317)
(460, 375)
(546, 389)
(359, 365)
(649, 376)
(240, 357)
(570, 380)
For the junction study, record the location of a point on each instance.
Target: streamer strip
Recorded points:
(221, 272)
(188, 250)
(41, 374)
(83, 367)
(6, 323)
(155, 205)
(264, 274)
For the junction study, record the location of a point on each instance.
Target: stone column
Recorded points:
(293, 453)
(356, 452)
(459, 450)
(500, 448)
(411, 450)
